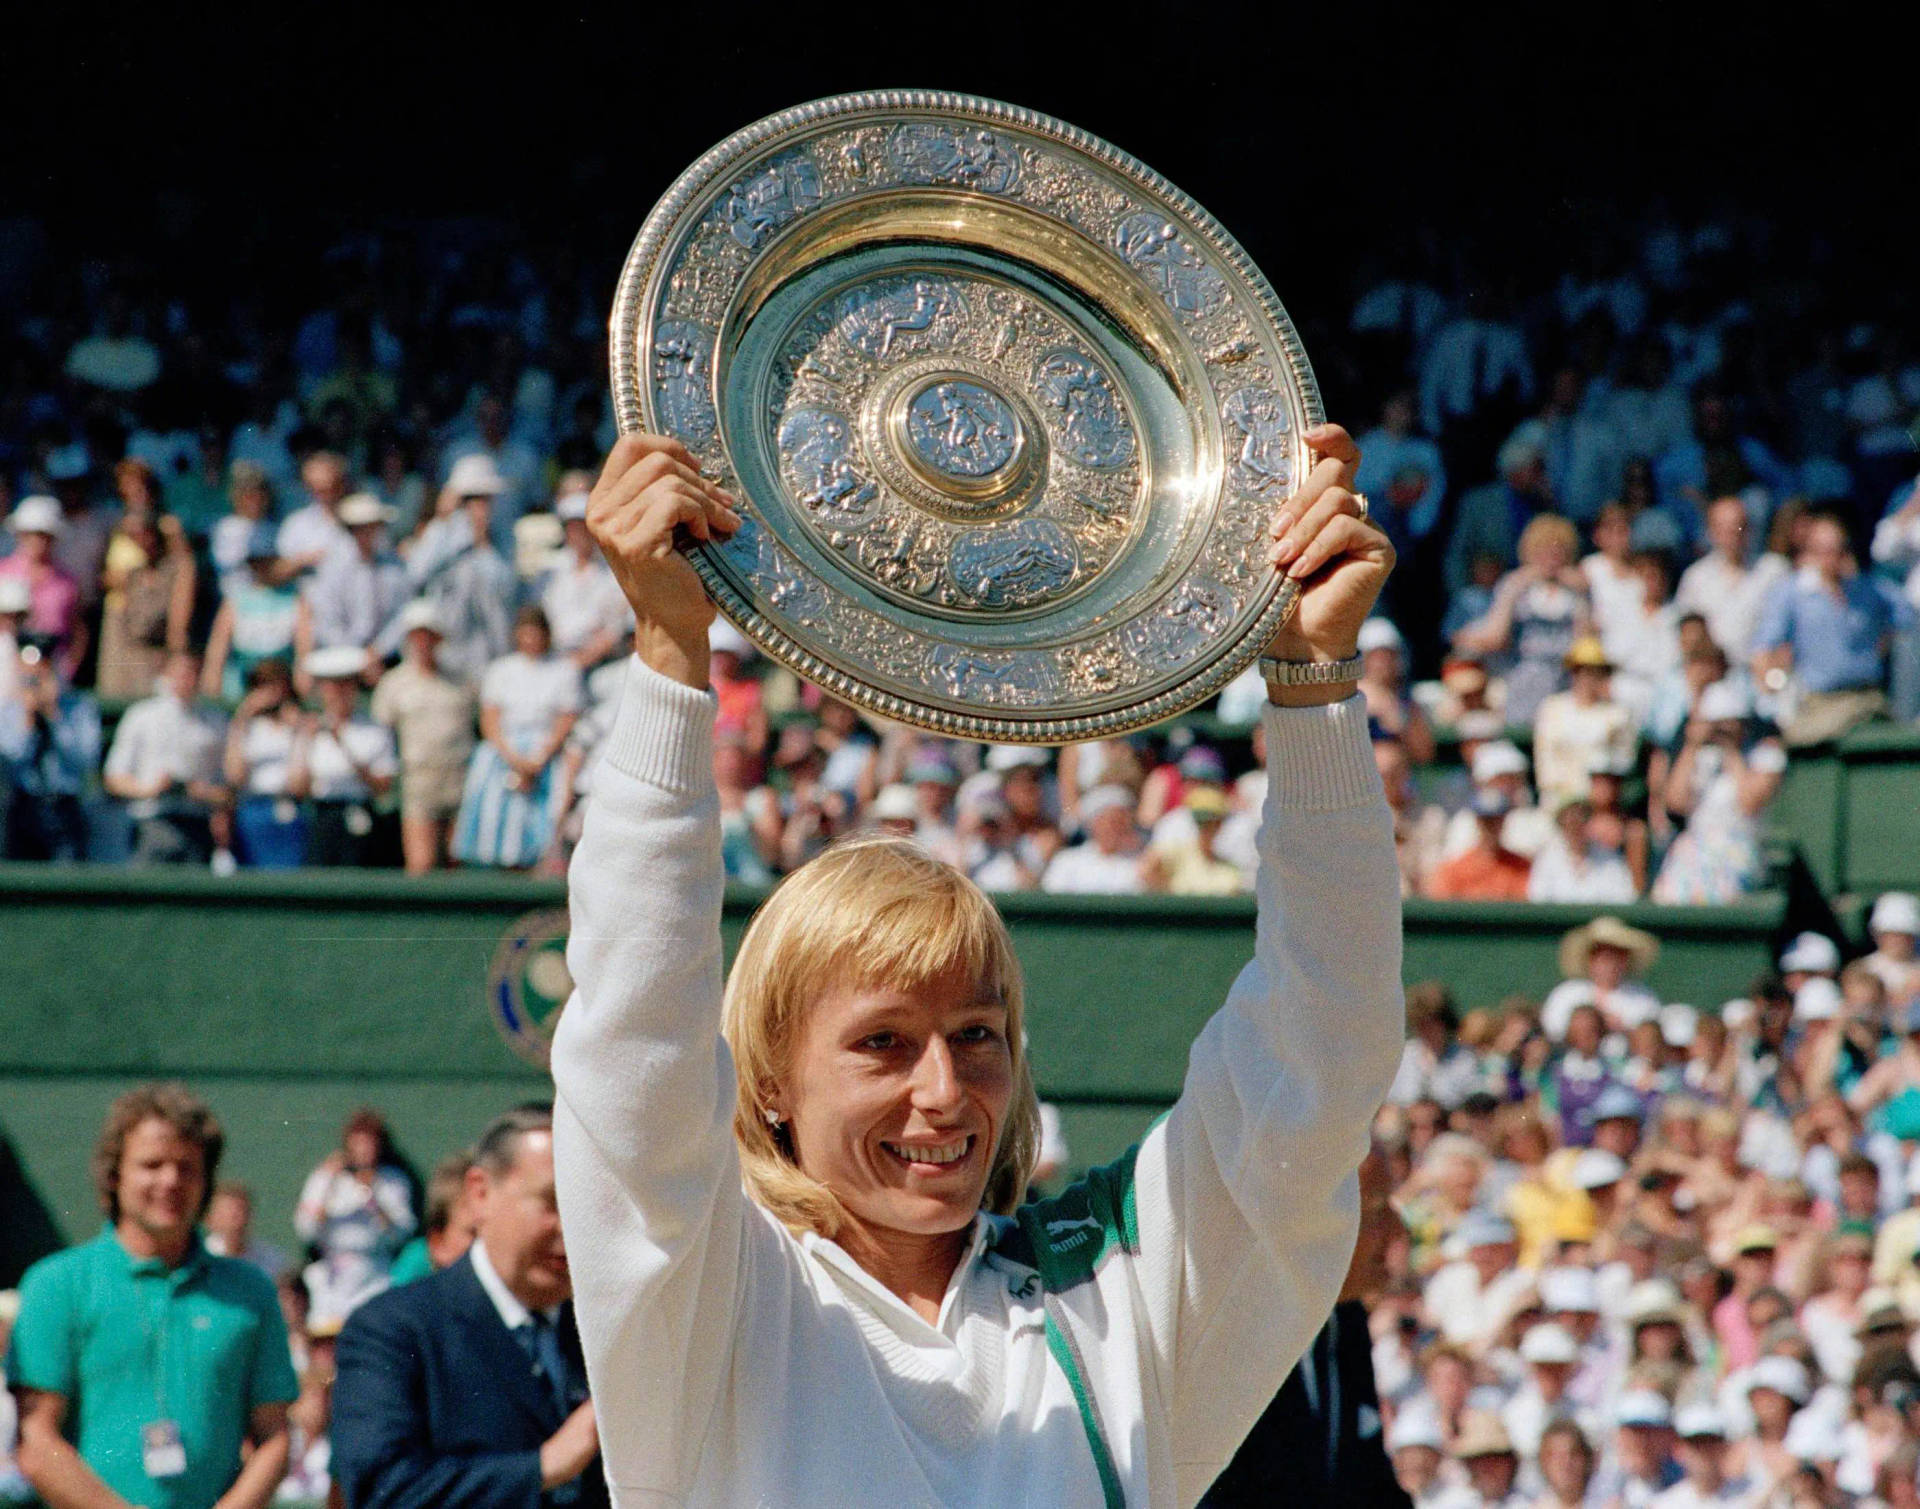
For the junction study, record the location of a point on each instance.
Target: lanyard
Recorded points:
(155, 1343)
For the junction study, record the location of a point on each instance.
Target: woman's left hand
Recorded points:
(1340, 559)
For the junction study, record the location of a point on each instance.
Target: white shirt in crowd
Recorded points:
(1085, 870)
(581, 601)
(1597, 876)
(1729, 598)
(331, 758)
(164, 736)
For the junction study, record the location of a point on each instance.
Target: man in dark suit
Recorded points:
(1319, 1442)
(466, 1390)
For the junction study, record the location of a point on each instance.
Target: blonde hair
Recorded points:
(1545, 530)
(871, 910)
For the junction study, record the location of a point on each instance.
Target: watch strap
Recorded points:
(1308, 672)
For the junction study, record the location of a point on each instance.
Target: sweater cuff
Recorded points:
(664, 733)
(1320, 759)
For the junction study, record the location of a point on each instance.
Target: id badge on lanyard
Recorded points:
(163, 1454)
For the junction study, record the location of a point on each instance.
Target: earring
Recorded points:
(772, 1116)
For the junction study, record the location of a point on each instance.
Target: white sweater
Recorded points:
(1112, 1346)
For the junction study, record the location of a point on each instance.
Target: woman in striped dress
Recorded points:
(529, 702)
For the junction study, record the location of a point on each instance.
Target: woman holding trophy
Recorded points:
(793, 1204)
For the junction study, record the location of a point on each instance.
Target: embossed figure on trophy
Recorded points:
(929, 152)
(1095, 427)
(1263, 460)
(817, 449)
(1192, 615)
(1016, 566)
(872, 319)
(962, 429)
(980, 677)
(680, 357)
(760, 204)
(1152, 245)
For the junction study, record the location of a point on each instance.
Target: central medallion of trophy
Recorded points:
(956, 441)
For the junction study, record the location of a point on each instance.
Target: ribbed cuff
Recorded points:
(664, 734)
(1320, 759)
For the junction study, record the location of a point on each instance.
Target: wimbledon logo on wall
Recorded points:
(528, 983)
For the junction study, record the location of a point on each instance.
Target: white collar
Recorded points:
(833, 1255)
(513, 1314)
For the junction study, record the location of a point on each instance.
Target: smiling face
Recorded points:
(162, 1181)
(896, 1100)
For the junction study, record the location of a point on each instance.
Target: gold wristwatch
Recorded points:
(1308, 672)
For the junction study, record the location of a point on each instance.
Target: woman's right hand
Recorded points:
(651, 487)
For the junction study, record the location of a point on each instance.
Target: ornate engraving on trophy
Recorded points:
(1017, 565)
(1179, 629)
(1152, 245)
(763, 201)
(962, 428)
(1263, 459)
(682, 368)
(1093, 426)
(970, 157)
(817, 457)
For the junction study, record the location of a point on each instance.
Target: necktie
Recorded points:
(542, 1341)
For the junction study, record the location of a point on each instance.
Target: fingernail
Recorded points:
(1282, 522)
(1289, 548)
(1295, 570)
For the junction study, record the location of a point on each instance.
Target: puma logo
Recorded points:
(1085, 1223)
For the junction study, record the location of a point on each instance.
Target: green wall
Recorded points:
(290, 1000)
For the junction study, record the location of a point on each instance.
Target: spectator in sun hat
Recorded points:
(53, 609)
(1581, 725)
(432, 717)
(355, 596)
(1107, 861)
(1777, 1388)
(1194, 866)
(1486, 1451)
(588, 611)
(1599, 960)
(456, 563)
(1391, 711)
(1419, 1453)
(343, 762)
(1894, 925)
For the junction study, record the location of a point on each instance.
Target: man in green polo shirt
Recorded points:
(144, 1363)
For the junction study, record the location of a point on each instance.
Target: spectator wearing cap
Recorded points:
(355, 597)
(457, 565)
(1551, 1355)
(1707, 1482)
(934, 780)
(1391, 711)
(993, 854)
(740, 700)
(1729, 586)
(343, 763)
(1830, 628)
(432, 718)
(313, 532)
(49, 745)
(1582, 726)
(1641, 1464)
(588, 611)
(165, 764)
(1492, 1466)
(1498, 765)
(1194, 867)
(529, 702)
(1809, 954)
(1488, 870)
(1721, 783)
(513, 461)
(1419, 1454)
(271, 827)
(1755, 1249)
(1570, 1295)
(1776, 1388)
(259, 614)
(1894, 927)
(1599, 961)
(1107, 861)
(53, 596)
(1538, 611)
(1469, 1296)
(1572, 867)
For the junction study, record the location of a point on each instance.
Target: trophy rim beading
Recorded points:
(630, 345)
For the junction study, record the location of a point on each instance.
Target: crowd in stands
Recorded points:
(312, 585)
(1642, 1254)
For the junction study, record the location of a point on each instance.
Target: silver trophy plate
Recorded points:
(1008, 413)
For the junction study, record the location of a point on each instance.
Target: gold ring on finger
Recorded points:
(1360, 502)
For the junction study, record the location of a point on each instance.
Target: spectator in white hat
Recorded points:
(514, 464)
(432, 717)
(344, 762)
(354, 599)
(1419, 1453)
(456, 564)
(1721, 783)
(1776, 1387)
(1708, 1483)
(1809, 954)
(588, 611)
(1383, 682)
(1499, 766)
(53, 596)
(1551, 1355)
(1641, 1463)
(1470, 1296)
(1894, 925)
(1107, 862)
(313, 532)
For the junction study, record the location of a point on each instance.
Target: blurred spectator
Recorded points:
(1612, 585)
(1573, 868)
(313, 532)
(1107, 860)
(1492, 1465)
(446, 1232)
(1599, 960)
(1488, 870)
(746, 856)
(469, 1386)
(1580, 727)
(49, 746)
(432, 717)
(512, 461)
(1722, 780)
(229, 1228)
(529, 702)
(1894, 925)
(1419, 828)
(235, 535)
(1193, 866)
(1538, 611)
(105, 1416)
(1390, 711)
(270, 828)
(456, 564)
(1401, 471)
(1610, 826)
(355, 1213)
(1434, 1065)
(1647, 647)
(741, 704)
(53, 596)
(1829, 629)
(343, 762)
(934, 781)
(258, 617)
(585, 605)
(1896, 539)
(165, 764)
(150, 581)
(1702, 1433)
(1491, 519)
(355, 597)
(1729, 586)
(1498, 765)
